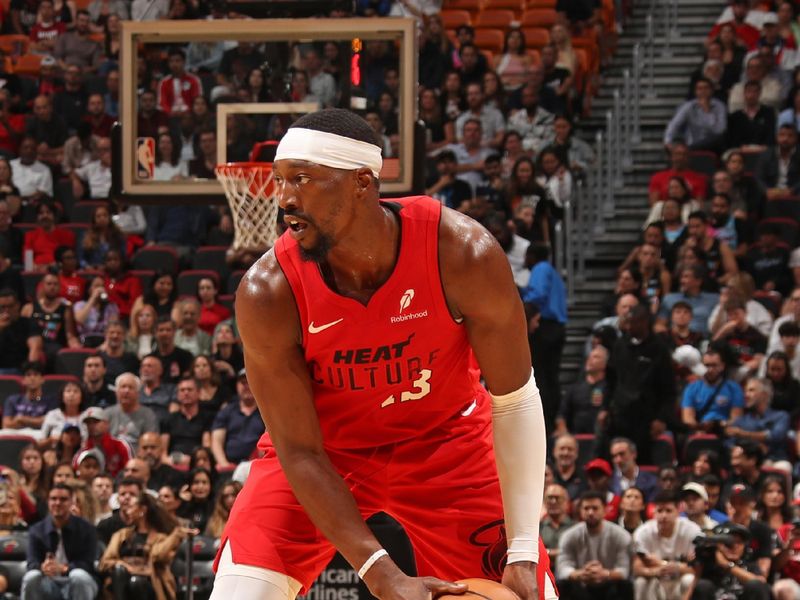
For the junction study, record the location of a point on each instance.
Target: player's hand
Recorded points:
(418, 588)
(521, 577)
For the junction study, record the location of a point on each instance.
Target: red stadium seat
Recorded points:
(53, 384)
(490, 39)
(700, 441)
(539, 17)
(536, 37)
(187, 281)
(493, 19)
(69, 361)
(453, 19)
(156, 258)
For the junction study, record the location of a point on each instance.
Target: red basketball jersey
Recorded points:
(397, 367)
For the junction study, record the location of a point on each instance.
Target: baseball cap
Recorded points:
(70, 427)
(740, 491)
(598, 464)
(94, 412)
(95, 454)
(769, 18)
(731, 528)
(695, 488)
(689, 357)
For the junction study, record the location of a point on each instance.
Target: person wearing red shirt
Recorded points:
(122, 287)
(72, 285)
(12, 126)
(115, 451)
(96, 116)
(177, 91)
(745, 32)
(211, 311)
(44, 240)
(46, 30)
(679, 167)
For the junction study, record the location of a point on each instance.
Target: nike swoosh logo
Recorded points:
(316, 329)
(469, 409)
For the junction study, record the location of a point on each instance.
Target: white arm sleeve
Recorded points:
(520, 446)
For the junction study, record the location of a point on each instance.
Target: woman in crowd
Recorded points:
(435, 50)
(452, 99)
(512, 152)
(523, 188)
(257, 86)
(656, 279)
(137, 563)
(65, 11)
(561, 39)
(747, 196)
(170, 501)
(213, 393)
(785, 388)
(555, 177)
(387, 109)
(440, 129)
(222, 509)
(101, 10)
(733, 52)
(791, 115)
(787, 25)
(201, 114)
(197, 498)
(71, 404)
(141, 338)
(112, 41)
(632, 509)
(629, 281)
(301, 88)
(69, 442)
(211, 311)
(102, 235)
(678, 190)
(8, 191)
(62, 473)
(674, 227)
(169, 166)
(161, 296)
(772, 507)
(33, 477)
(705, 463)
(94, 314)
(227, 355)
(514, 65)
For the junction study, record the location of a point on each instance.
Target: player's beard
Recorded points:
(319, 251)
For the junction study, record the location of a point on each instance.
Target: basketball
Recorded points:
(482, 589)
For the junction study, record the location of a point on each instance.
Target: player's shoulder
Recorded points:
(264, 282)
(464, 242)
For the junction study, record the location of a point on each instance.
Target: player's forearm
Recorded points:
(331, 507)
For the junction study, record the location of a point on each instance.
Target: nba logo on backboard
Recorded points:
(145, 157)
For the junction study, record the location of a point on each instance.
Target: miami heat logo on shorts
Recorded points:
(492, 537)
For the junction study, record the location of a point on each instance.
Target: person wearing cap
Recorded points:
(741, 508)
(660, 550)
(714, 400)
(237, 427)
(594, 555)
(115, 452)
(90, 463)
(27, 409)
(598, 477)
(733, 572)
(695, 505)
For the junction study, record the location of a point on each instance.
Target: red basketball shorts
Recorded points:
(441, 487)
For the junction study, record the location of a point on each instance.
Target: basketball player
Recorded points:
(359, 329)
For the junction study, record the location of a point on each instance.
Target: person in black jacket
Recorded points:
(61, 553)
(753, 125)
(642, 392)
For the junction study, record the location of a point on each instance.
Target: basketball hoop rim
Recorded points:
(223, 167)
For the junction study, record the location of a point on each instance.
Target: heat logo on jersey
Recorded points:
(405, 302)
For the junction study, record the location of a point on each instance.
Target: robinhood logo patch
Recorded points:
(405, 302)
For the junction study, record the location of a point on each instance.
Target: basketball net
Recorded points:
(254, 207)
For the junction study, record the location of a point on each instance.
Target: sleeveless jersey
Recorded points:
(51, 324)
(396, 367)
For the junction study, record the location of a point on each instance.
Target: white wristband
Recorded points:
(371, 561)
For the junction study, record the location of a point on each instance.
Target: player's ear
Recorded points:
(364, 178)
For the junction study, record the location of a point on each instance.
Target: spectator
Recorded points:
(139, 469)
(514, 246)
(95, 174)
(772, 90)
(128, 490)
(660, 547)
(177, 91)
(546, 291)
(679, 167)
(632, 509)
(720, 261)
(575, 153)
(197, 498)
(212, 392)
(534, 123)
(203, 165)
(93, 315)
(117, 359)
(61, 553)
(565, 465)
(155, 394)
(556, 78)
(555, 178)
(174, 361)
(96, 116)
(736, 232)
(128, 419)
(211, 311)
(594, 555)
(76, 47)
(19, 336)
(492, 121)
(778, 167)
(228, 358)
(28, 408)
(71, 405)
(322, 84)
(791, 116)
(711, 402)
(115, 451)
(792, 315)
(161, 295)
(90, 463)
(523, 192)
(695, 503)
(71, 285)
(151, 450)
(30, 176)
(700, 122)
(786, 388)
(137, 562)
(680, 332)
(151, 121)
(702, 303)
(470, 155)
(222, 508)
(598, 476)
(141, 338)
(742, 501)
(514, 64)
(752, 128)
(186, 429)
(773, 510)
(46, 30)
(53, 317)
(190, 337)
(746, 460)
(237, 427)
(626, 471)
(768, 261)
(744, 341)
(102, 490)
(168, 163)
(585, 398)
(122, 287)
(98, 391)
(472, 63)
(49, 130)
(743, 287)
(11, 238)
(641, 400)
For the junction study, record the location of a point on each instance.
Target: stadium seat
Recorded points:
(453, 19)
(213, 259)
(9, 384)
(145, 277)
(751, 160)
(536, 37)
(534, 54)
(14, 44)
(539, 17)
(490, 39)
(227, 300)
(156, 258)
(187, 281)
(586, 448)
(233, 281)
(81, 212)
(89, 274)
(11, 444)
(700, 441)
(703, 161)
(785, 207)
(542, 4)
(472, 6)
(788, 228)
(663, 451)
(53, 384)
(493, 19)
(204, 550)
(13, 560)
(28, 65)
(30, 281)
(69, 361)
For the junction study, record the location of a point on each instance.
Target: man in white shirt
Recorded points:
(661, 548)
(32, 177)
(322, 84)
(470, 154)
(534, 123)
(97, 174)
(492, 121)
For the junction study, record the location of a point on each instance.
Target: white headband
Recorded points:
(329, 149)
